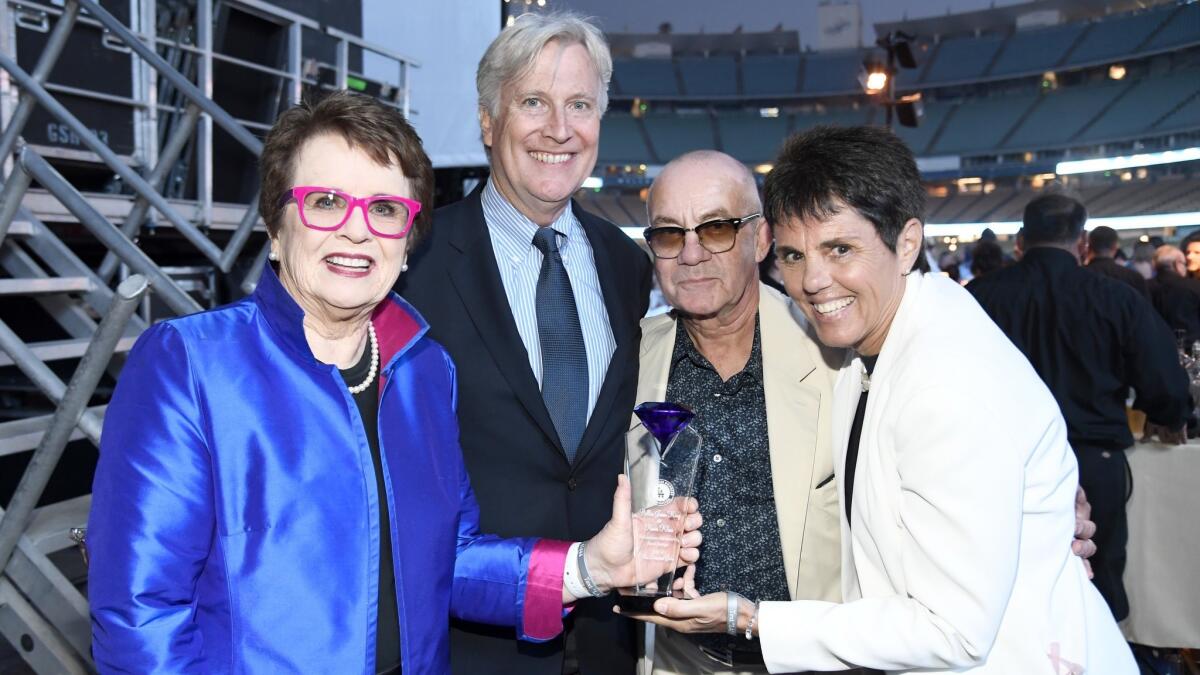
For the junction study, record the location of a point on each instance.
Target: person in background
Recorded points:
(1103, 244)
(1191, 249)
(1143, 259)
(538, 304)
(280, 485)
(956, 521)
(949, 264)
(1175, 295)
(1091, 339)
(986, 257)
(768, 271)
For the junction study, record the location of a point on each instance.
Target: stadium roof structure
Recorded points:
(1006, 18)
(703, 44)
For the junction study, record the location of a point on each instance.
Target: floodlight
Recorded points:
(873, 76)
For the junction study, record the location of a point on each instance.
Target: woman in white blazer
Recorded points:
(956, 553)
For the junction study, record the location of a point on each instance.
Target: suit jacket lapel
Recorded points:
(477, 279)
(658, 344)
(622, 328)
(793, 412)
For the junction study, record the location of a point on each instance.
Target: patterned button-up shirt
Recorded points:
(741, 550)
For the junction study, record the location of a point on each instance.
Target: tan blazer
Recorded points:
(797, 380)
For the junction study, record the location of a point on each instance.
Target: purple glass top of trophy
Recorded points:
(664, 419)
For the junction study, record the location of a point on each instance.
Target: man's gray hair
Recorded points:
(513, 52)
(1166, 257)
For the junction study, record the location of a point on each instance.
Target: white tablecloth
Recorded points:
(1162, 576)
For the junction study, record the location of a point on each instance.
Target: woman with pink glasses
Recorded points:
(280, 486)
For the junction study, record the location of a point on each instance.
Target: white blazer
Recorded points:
(957, 557)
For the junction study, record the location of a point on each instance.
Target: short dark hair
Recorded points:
(1103, 238)
(1192, 238)
(986, 257)
(1054, 219)
(367, 124)
(868, 169)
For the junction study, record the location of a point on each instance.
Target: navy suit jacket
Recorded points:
(522, 480)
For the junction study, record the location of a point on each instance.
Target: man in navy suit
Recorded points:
(538, 303)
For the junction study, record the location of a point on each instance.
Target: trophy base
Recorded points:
(637, 604)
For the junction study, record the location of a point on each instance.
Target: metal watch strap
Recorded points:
(753, 620)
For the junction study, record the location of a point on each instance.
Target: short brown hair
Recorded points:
(366, 123)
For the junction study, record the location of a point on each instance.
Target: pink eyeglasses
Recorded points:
(327, 209)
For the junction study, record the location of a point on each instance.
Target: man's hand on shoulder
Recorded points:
(1165, 434)
(1085, 529)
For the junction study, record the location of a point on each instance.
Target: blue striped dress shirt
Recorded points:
(520, 263)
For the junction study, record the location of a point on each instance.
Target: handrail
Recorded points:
(185, 86)
(70, 411)
(241, 233)
(274, 13)
(166, 160)
(108, 234)
(46, 380)
(139, 184)
(359, 42)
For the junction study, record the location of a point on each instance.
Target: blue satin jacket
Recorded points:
(234, 524)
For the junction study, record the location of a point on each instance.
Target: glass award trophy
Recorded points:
(661, 457)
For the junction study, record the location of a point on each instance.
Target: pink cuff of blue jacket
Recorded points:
(544, 609)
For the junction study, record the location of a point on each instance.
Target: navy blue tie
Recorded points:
(564, 357)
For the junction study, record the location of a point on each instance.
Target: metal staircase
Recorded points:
(99, 307)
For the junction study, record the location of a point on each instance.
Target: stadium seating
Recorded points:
(1182, 28)
(633, 209)
(1036, 50)
(1186, 116)
(918, 138)
(621, 141)
(751, 138)
(981, 98)
(955, 60)
(1060, 114)
(833, 72)
(714, 76)
(673, 135)
(603, 205)
(975, 207)
(1117, 36)
(979, 126)
(770, 75)
(835, 117)
(1147, 102)
(963, 58)
(645, 77)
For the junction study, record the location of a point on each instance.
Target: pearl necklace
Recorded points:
(360, 388)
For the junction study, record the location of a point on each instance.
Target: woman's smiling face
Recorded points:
(844, 277)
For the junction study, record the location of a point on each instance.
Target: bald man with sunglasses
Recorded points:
(734, 351)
